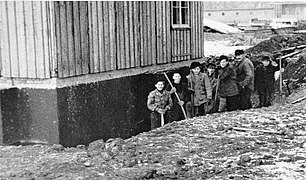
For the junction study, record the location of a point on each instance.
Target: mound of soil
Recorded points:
(277, 43)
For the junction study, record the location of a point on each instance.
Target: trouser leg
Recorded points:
(222, 104)
(245, 98)
(232, 103)
(155, 120)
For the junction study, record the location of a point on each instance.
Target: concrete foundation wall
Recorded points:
(29, 114)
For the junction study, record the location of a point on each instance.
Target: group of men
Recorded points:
(225, 85)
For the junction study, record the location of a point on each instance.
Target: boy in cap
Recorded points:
(159, 103)
(200, 88)
(264, 81)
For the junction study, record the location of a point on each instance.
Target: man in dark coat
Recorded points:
(245, 77)
(228, 86)
(264, 81)
(181, 89)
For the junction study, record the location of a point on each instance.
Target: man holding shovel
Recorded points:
(159, 103)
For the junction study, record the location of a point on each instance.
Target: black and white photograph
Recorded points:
(135, 90)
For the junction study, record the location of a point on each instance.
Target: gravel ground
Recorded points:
(206, 147)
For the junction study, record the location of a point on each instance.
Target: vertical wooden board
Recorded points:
(46, 45)
(144, 33)
(117, 34)
(126, 34)
(6, 67)
(201, 30)
(1, 35)
(164, 12)
(175, 45)
(84, 36)
(64, 64)
(13, 42)
(197, 29)
(70, 31)
(95, 37)
(103, 34)
(192, 37)
(38, 34)
(183, 44)
(153, 28)
(141, 33)
(136, 33)
(90, 36)
(168, 31)
(112, 36)
(77, 38)
(30, 39)
(21, 39)
(131, 34)
(58, 35)
(158, 32)
(120, 37)
(148, 32)
(188, 45)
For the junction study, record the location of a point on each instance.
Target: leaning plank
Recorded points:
(256, 130)
(299, 100)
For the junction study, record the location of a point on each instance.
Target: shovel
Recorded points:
(162, 119)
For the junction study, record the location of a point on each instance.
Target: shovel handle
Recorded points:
(162, 119)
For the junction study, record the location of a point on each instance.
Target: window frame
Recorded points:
(180, 25)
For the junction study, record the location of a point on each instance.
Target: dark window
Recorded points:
(237, 13)
(180, 12)
(209, 14)
(223, 14)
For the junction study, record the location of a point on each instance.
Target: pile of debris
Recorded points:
(277, 43)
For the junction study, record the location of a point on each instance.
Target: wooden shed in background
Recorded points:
(48, 44)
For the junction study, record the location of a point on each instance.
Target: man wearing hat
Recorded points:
(245, 78)
(200, 88)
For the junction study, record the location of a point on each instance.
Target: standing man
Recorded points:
(200, 88)
(180, 88)
(245, 78)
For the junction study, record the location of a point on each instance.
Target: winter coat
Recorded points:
(264, 77)
(181, 90)
(228, 81)
(201, 87)
(157, 99)
(245, 73)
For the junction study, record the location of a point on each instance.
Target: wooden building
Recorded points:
(47, 45)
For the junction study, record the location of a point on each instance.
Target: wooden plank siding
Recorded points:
(25, 45)
(76, 38)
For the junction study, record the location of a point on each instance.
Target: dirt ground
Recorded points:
(207, 147)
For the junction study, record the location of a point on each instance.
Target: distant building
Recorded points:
(291, 10)
(243, 12)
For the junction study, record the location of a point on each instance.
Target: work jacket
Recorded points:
(201, 87)
(264, 78)
(228, 81)
(245, 73)
(157, 99)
